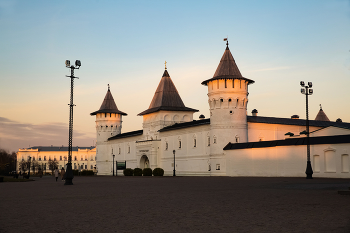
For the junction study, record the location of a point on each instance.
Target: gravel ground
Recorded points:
(175, 204)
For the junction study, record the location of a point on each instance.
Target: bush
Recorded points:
(158, 171)
(137, 172)
(87, 173)
(128, 172)
(147, 172)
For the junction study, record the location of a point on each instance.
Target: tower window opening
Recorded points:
(233, 83)
(230, 112)
(105, 114)
(229, 100)
(110, 115)
(225, 83)
(221, 100)
(179, 144)
(240, 83)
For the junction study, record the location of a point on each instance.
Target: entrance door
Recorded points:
(144, 162)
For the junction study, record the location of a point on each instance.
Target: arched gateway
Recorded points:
(144, 162)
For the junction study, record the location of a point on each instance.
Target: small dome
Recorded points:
(295, 117)
(201, 117)
(255, 111)
(339, 120)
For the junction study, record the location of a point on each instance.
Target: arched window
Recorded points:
(214, 141)
(166, 145)
(128, 149)
(237, 139)
(119, 150)
(180, 144)
(208, 141)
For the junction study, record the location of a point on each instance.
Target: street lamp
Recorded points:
(306, 90)
(69, 172)
(29, 158)
(174, 163)
(113, 165)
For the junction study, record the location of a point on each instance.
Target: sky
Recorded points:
(276, 43)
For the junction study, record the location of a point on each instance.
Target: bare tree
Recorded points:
(53, 164)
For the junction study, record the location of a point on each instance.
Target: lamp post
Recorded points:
(29, 158)
(306, 90)
(69, 172)
(113, 165)
(174, 163)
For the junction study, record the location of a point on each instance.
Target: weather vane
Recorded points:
(165, 64)
(226, 39)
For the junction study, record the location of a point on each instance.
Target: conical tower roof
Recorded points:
(227, 69)
(321, 116)
(166, 98)
(108, 105)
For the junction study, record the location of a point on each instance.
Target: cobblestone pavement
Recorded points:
(175, 204)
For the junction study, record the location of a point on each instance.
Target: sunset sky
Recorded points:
(125, 43)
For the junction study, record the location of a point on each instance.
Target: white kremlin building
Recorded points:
(229, 143)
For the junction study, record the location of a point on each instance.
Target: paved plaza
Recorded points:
(175, 204)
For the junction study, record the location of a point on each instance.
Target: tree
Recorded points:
(53, 164)
(35, 166)
(7, 162)
(23, 165)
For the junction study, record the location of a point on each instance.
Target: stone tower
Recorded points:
(166, 108)
(228, 99)
(108, 124)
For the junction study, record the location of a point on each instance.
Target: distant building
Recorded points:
(229, 143)
(85, 157)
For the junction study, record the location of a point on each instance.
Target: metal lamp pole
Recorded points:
(29, 166)
(69, 172)
(306, 90)
(174, 163)
(113, 165)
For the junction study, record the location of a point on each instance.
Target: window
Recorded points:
(33, 158)
(179, 144)
(85, 166)
(208, 139)
(91, 167)
(39, 158)
(166, 145)
(105, 114)
(128, 149)
(61, 157)
(110, 115)
(214, 140)
(54, 158)
(237, 139)
(75, 166)
(119, 150)
(217, 166)
(75, 158)
(44, 158)
(225, 83)
(194, 142)
(82, 166)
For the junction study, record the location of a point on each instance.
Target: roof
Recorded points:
(321, 116)
(185, 125)
(126, 135)
(60, 148)
(108, 105)
(338, 139)
(227, 69)
(260, 119)
(302, 122)
(166, 98)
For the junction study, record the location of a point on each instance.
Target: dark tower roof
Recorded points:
(321, 116)
(166, 98)
(227, 69)
(108, 105)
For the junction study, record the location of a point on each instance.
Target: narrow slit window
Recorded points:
(225, 83)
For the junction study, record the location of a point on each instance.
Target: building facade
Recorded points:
(229, 143)
(83, 157)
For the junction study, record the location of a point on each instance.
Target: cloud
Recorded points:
(14, 135)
